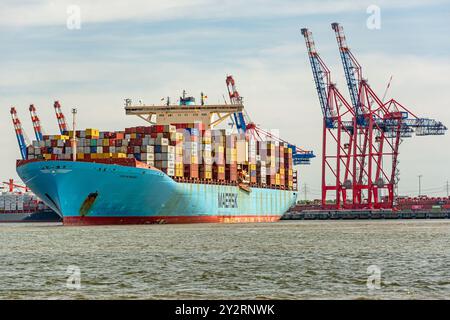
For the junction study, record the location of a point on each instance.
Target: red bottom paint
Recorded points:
(83, 221)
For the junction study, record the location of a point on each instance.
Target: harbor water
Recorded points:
(285, 260)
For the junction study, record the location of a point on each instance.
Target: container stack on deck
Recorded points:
(185, 151)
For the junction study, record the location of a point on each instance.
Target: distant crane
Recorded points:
(63, 128)
(299, 155)
(36, 123)
(21, 140)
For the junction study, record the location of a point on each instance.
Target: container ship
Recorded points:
(18, 204)
(178, 169)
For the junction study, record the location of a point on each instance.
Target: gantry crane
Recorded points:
(387, 122)
(63, 128)
(244, 125)
(21, 140)
(338, 128)
(36, 123)
(373, 131)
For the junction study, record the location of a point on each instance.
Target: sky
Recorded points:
(146, 49)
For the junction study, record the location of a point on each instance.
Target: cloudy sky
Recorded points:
(147, 49)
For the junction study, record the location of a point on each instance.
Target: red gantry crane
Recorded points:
(373, 132)
(387, 122)
(338, 128)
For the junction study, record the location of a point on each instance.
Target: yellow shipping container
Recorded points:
(94, 156)
(179, 173)
(60, 137)
(281, 171)
(47, 156)
(80, 156)
(221, 169)
(119, 155)
(218, 148)
(92, 132)
(105, 142)
(208, 175)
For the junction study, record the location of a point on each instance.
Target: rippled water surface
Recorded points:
(285, 260)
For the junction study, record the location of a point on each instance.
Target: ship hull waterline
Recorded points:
(88, 193)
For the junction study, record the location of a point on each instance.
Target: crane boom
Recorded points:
(19, 133)
(352, 70)
(321, 75)
(36, 123)
(63, 128)
(299, 156)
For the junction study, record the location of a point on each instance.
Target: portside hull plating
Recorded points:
(94, 193)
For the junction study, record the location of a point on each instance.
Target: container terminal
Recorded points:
(181, 168)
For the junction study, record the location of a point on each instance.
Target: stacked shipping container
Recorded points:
(186, 151)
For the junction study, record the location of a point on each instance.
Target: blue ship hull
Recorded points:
(95, 193)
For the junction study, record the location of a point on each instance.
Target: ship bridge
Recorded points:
(210, 115)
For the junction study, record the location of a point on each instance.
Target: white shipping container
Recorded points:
(167, 164)
(162, 141)
(207, 147)
(149, 162)
(147, 149)
(170, 172)
(147, 156)
(242, 151)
